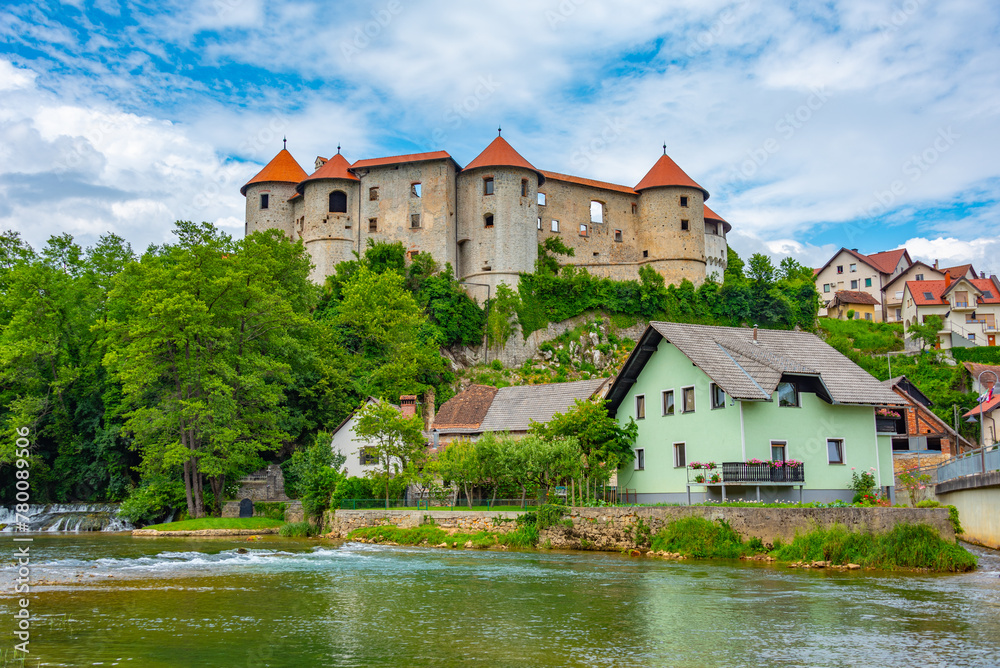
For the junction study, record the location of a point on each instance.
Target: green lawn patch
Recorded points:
(428, 534)
(218, 523)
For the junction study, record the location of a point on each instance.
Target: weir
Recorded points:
(68, 517)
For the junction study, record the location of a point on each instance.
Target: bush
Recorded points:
(271, 509)
(153, 501)
(698, 537)
(314, 474)
(297, 530)
(979, 354)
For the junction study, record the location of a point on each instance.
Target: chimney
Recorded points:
(935, 263)
(429, 409)
(408, 405)
(982, 274)
(755, 333)
(947, 277)
(855, 250)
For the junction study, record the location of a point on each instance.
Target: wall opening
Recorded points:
(488, 220)
(596, 211)
(338, 201)
(264, 200)
(488, 185)
(414, 221)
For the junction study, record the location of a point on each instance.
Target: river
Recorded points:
(116, 600)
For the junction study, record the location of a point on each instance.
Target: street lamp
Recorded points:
(486, 355)
(982, 432)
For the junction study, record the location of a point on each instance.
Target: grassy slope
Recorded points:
(218, 523)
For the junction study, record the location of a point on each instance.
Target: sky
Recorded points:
(867, 124)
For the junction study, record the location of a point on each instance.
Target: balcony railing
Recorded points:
(737, 473)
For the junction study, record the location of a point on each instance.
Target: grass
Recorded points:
(701, 538)
(297, 530)
(429, 534)
(907, 546)
(218, 523)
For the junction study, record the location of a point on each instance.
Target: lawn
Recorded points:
(218, 523)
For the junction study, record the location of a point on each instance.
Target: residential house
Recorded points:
(480, 408)
(892, 292)
(969, 309)
(984, 376)
(916, 428)
(730, 395)
(358, 460)
(850, 270)
(863, 305)
(990, 412)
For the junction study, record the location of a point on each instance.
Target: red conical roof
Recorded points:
(282, 169)
(501, 154)
(711, 215)
(335, 168)
(666, 173)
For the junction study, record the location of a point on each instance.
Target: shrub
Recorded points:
(153, 500)
(297, 530)
(271, 509)
(698, 537)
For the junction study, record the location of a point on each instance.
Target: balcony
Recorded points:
(960, 307)
(742, 473)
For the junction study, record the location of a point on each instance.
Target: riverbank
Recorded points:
(213, 526)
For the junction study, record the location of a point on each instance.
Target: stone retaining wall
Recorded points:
(614, 529)
(293, 510)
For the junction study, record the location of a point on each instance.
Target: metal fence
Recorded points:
(980, 460)
(425, 504)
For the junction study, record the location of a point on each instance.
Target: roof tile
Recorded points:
(282, 169)
(666, 173)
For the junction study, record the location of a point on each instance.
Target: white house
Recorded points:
(969, 309)
(346, 442)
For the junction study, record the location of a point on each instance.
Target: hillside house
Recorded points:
(850, 270)
(969, 309)
(863, 305)
(916, 428)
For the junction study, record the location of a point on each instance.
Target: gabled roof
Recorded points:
(666, 173)
(899, 276)
(903, 385)
(906, 386)
(986, 407)
(750, 370)
(369, 400)
(400, 159)
(501, 154)
(887, 261)
(556, 176)
(465, 410)
(515, 408)
(977, 369)
(711, 215)
(935, 293)
(959, 270)
(281, 169)
(852, 297)
(335, 168)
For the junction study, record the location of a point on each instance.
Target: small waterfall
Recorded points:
(68, 517)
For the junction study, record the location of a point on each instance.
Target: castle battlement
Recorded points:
(488, 218)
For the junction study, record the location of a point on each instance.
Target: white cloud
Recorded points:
(13, 78)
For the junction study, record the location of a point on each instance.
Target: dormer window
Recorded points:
(264, 200)
(488, 185)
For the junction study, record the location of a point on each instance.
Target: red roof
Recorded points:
(711, 215)
(958, 270)
(603, 185)
(501, 154)
(985, 407)
(887, 261)
(335, 168)
(938, 291)
(666, 173)
(281, 169)
(399, 159)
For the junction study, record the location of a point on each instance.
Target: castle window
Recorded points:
(524, 187)
(488, 185)
(684, 200)
(264, 200)
(414, 221)
(645, 253)
(618, 236)
(338, 202)
(373, 224)
(635, 208)
(596, 212)
(488, 220)
(555, 225)
(541, 199)
(684, 225)
(373, 194)
(414, 190)
(583, 230)
(539, 223)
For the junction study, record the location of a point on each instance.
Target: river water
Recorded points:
(116, 600)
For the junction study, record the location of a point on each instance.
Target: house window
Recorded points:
(680, 457)
(583, 230)
(687, 395)
(414, 190)
(414, 221)
(684, 225)
(539, 223)
(684, 200)
(524, 187)
(640, 406)
(555, 225)
(972, 337)
(338, 201)
(788, 395)
(868, 316)
(835, 450)
(778, 450)
(635, 208)
(488, 220)
(718, 397)
(919, 277)
(541, 199)
(826, 287)
(668, 402)
(367, 457)
(868, 282)
(264, 200)
(640, 459)
(899, 314)
(618, 236)
(854, 285)
(596, 211)
(854, 267)
(488, 185)
(373, 194)
(840, 269)
(373, 224)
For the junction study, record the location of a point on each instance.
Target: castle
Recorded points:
(488, 218)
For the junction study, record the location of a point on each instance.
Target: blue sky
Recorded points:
(857, 123)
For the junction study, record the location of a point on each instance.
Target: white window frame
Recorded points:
(640, 459)
(843, 450)
(555, 225)
(694, 399)
(854, 267)
(637, 398)
(683, 451)
(541, 199)
(663, 402)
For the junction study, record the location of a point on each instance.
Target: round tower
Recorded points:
(671, 234)
(497, 212)
(716, 247)
(327, 218)
(269, 193)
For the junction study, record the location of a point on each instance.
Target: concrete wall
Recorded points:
(613, 529)
(978, 507)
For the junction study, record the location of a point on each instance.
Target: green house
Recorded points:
(734, 397)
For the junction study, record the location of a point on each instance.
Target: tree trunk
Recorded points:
(197, 482)
(468, 496)
(524, 493)
(572, 491)
(188, 488)
(494, 499)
